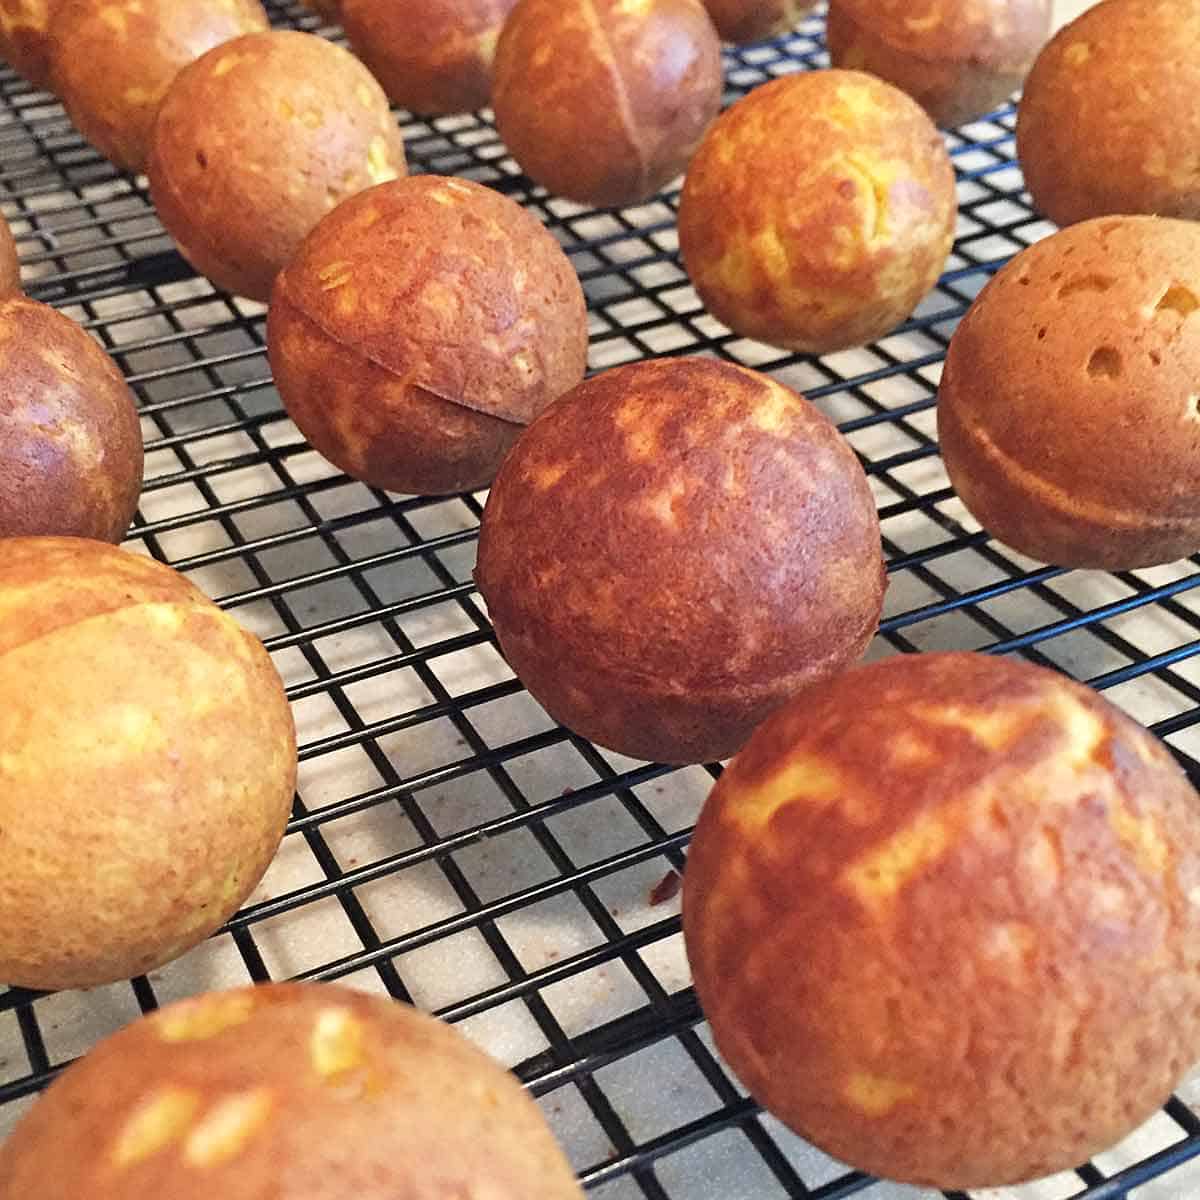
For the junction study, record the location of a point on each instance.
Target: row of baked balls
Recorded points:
(671, 548)
(434, 57)
(437, 57)
(940, 911)
(669, 553)
(112, 60)
(425, 323)
(603, 103)
(823, 238)
(258, 139)
(836, 229)
(813, 219)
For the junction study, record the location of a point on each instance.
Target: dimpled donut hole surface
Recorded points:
(1088, 457)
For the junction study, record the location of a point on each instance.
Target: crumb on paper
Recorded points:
(666, 889)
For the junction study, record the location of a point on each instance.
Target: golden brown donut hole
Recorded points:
(673, 550)
(431, 56)
(1107, 123)
(941, 916)
(959, 59)
(70, 438)
(742, 21)
(291, 1091)
(113, 60)
(603, 101)
(148, 764)
(420, 327)
(256, 141)
(818, 211)
(1088, 456)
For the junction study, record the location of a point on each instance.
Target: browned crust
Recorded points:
(601, 104)
(828, 237)
(60, 581)
(324, 1089)
(140, 817)
(10, 264)
(256, 141)
(998, 35)
(1106, 122)
(431, 56)
(941, 916)
(376, 424)
(451, 286)
(24, 38)
(957, 61)
(113, 60)
(672, 550)
(742, 21)
(70, 438)
(1089, 459)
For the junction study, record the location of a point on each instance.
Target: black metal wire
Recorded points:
(91, 244)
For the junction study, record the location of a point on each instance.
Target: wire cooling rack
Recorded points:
(450, 845)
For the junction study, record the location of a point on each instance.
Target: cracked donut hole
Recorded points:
(1105, 363)
(1156, 358)
(1178, 299)
(435, 407)
(201, 159)
(1086, 283)
(1042, 334)
(606, 60)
